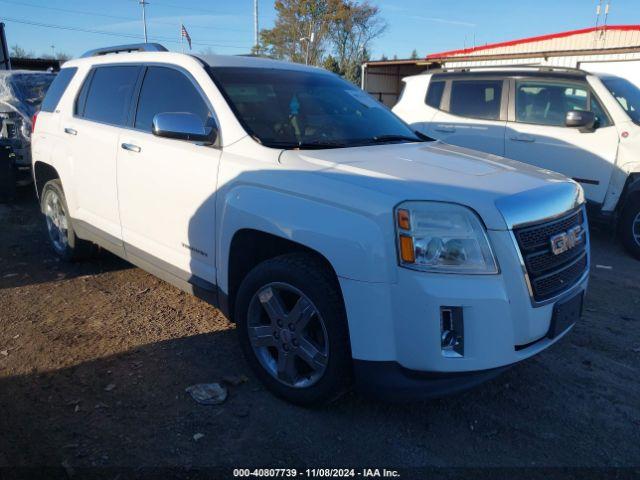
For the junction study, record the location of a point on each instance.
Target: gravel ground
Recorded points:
(95, 358)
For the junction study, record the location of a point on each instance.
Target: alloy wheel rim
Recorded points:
(57, 223)
(635, 229)
(288, 335)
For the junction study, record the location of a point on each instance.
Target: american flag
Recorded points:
(185, 34)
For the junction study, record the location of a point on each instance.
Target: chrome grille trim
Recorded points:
(565, 261)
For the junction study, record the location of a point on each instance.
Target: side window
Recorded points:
(168, 90)
(547, 103)
(434, 94)
(602, 119)
(476, 98)
(109, 95)
(81, 100)
(57, 89)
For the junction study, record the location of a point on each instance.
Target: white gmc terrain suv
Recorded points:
(344, 245)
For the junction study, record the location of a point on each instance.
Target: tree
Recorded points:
(414, 54)
(330, 63)
(18, 52)
(300, 30)
(353, 29)
(332, 33)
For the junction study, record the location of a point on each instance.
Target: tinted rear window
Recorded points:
(434, 94)
(476, 98)
(57, 89)
(109, 96)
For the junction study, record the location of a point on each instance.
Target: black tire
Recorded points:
(72, 248)
(629, 227)
(310, 277)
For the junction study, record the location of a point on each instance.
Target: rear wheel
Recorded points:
(62, 237)
(293, 329)
(629, 227)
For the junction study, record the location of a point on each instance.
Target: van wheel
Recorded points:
(61, 235)
(293, 329)
(629, 227)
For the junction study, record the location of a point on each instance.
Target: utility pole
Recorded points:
(144, 19)
(53, 51)
(256, 38)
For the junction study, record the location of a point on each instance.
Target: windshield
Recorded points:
(627, 95)
(294, 109)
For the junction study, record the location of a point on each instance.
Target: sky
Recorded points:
(226, 26)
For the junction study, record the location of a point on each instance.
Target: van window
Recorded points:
(627, 95)
(57, 89)
(168, 90)
(547, 103)
(109, 96)
(476, 98)
(434, 94)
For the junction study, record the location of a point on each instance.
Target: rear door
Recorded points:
(101, 114)
(537, 135)
(473, 113)
(166, 187)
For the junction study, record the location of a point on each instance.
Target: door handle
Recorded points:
(70, 131)
(445, 128)
(523, 138)
(131, 147)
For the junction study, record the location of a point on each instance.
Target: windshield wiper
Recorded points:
(395, 138)
(309, 145)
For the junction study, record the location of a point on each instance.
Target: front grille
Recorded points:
(551, 274)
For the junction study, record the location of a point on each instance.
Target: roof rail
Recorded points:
(469, 68)
(134, 47)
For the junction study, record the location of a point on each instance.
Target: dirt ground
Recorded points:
(95, 358)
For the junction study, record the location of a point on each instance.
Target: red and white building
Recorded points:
(611, 48)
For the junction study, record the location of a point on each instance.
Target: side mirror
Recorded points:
(585, 121)
(183, 126)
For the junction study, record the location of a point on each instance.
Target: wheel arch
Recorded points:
(250, 247)
(257, 222)
(43, 173)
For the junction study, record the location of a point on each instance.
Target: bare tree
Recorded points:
(18, 52)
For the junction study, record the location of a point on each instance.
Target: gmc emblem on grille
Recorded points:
(564, 241)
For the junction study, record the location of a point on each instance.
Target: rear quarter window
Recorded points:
(57, 89)
(434, 94)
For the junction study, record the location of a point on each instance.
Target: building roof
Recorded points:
(542, 40)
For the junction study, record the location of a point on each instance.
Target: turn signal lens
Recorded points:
(404, 220)
(407, 252)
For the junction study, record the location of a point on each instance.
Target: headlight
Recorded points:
(442, 237)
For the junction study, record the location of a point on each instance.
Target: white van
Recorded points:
(585, 126)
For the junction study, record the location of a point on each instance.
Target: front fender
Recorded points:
(351, 241)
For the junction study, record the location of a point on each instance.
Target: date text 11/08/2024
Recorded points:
(316, 472)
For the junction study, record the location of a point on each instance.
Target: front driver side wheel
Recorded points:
(293, 329)
(629, 227)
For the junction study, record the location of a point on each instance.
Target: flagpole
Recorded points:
(181, 37)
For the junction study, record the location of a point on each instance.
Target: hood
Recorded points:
(503, 192)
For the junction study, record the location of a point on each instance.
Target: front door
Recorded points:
(166, 187)
(538, 135)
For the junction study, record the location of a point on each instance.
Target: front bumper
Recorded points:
(391, 382)
(397, 325)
